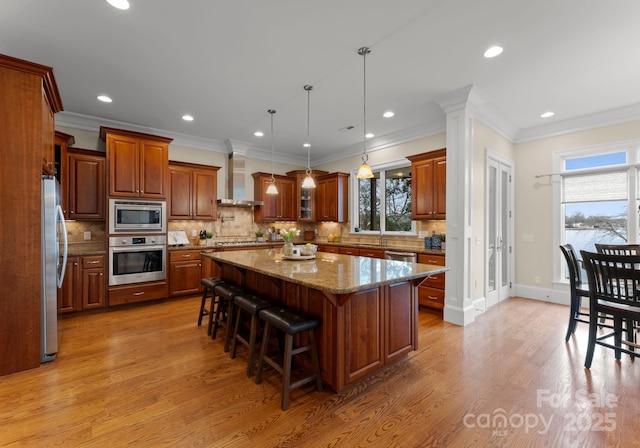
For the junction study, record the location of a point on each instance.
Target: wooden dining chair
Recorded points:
(577, 288)
(618, 249)
(614, 289)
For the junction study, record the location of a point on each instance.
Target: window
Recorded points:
(383, 203)
(598, 188)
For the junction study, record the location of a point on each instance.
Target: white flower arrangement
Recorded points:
(289, 235)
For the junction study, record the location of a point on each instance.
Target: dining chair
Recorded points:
(614, 289)
(618, 249)
(577, 289)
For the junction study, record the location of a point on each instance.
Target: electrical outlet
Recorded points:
(528, 238)
(537, 280)
(194, 233)
(87, 235)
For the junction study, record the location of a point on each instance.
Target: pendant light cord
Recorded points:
(364, 51)
(272, 111)
(308, 88)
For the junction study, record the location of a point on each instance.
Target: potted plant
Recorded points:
(443, 238)
(260, 235)
(209, 238)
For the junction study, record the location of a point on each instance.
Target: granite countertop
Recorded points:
(334, 273)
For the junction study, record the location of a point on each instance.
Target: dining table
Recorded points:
(368, 306)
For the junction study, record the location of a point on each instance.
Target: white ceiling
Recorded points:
(228, 62)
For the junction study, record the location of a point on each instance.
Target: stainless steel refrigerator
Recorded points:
(54, 233)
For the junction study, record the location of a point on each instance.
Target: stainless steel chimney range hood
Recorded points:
(235, 182)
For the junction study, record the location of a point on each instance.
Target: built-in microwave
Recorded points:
(131, 216)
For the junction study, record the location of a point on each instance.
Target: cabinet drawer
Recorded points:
(431, 297)
(437, 260)
(332, 249)
(349, 251)
(183, 255)
(372, 253)
(137, 293)
(434, 281)
(93, 261)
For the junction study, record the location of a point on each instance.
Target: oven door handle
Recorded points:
(135, 248)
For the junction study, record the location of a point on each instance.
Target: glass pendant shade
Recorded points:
(308, 181)
(272, 189)
(365, 171)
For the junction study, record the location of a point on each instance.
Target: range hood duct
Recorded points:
(235, 182)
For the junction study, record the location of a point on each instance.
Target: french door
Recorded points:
(499, 229)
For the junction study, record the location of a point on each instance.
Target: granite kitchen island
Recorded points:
(368, 306)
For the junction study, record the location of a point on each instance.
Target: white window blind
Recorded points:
(592, 187)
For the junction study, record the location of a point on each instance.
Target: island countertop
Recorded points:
(333, 273)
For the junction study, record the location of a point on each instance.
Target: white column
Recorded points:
(458, 306)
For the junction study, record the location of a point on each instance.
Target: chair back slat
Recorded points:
(618, 249)
(613, 278)
(575, 273)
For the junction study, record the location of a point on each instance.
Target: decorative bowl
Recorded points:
(308, 249)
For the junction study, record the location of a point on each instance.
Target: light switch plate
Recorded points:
(87, 235)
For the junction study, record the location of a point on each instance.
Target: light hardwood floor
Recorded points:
(147, 376)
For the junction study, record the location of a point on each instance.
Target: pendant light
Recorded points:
(272, 189)
(365, 170)
(308, 181)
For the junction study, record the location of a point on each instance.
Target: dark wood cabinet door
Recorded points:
(332, 197)
(68, 294)
(180, 203)
(184, 277)
(286, 202)
(401, 307)
(86, 184)
(123, 153)
(93, 288)
(204, 194)
(154, 159)
(422, 188)
(440, 187)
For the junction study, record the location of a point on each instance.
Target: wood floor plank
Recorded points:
(147, 376)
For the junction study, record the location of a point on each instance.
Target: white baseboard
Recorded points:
(543, 294)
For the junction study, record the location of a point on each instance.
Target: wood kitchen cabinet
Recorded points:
(429, 185)
(193, 190)
(61, 142)
(29, 99)
(68, 294)
(276, 207)
(185, 272)
(332, 197)
(84, 284)
(137, 163)
(431, 290)
(305, 198)
(84, 189)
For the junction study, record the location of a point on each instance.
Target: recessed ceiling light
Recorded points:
(259, 134)
(547, 114)
(187, 118)
(120, 4)
(388, 114)
(369, 135)
(493, 52)
(306, 145)
(104, 98)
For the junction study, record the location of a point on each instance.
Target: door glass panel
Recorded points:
(492, 229)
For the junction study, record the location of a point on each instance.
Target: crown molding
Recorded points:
(90, 123)
(583, 123)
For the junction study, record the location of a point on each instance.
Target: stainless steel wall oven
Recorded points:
(137, 259)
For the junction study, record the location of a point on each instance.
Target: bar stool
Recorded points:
(290, 322)
(251, 304)
(224, 311)
(207, 291)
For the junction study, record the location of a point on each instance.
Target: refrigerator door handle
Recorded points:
(61, 272)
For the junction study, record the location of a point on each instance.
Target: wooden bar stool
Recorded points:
(291, 323)
(251, 304)
(223, 316)
(207, 291)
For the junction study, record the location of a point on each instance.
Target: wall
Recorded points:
(534, 202)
